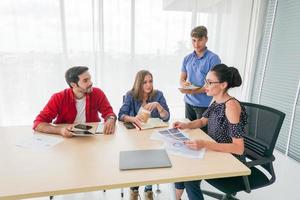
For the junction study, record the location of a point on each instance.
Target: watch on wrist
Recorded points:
(111, 117)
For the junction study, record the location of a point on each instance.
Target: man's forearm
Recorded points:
(48, 128)
(182, 81)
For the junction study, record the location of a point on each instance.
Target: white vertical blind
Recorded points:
(294, 140)
(282, 69)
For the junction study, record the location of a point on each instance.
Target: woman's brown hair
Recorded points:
(137, 89)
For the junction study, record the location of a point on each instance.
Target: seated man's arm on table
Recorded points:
(58, 130)
(107, 113)
(45, 117)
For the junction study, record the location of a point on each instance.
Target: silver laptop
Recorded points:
(144, 159)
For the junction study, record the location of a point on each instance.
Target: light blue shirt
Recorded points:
(131, 106)
(196, 69)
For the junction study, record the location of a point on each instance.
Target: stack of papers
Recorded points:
(174, 143)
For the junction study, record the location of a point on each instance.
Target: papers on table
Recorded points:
(39, 141)
(189, 87)
(180, 149)
(100, 128)
(152, 123)
(174, 143)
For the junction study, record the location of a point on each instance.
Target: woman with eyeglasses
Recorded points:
(225, 118)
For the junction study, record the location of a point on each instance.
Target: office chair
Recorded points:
(264, 124)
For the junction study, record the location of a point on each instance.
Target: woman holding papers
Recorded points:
(143, 96)
(226, 119)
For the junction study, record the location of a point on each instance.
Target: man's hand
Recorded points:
(109, 126)
(195, 144)
(186, 83)
(66, 131)
(190, 91)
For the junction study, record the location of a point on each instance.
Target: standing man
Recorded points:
(78, 104)
(193, 71)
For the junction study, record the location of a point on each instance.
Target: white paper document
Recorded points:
(100, 128)
(39, 141)
(174, 143)
(189, 87)
(180, 149)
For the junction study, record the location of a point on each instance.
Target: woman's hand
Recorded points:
(195, 144)
(180, 125)
(137, 120)
(151, 106)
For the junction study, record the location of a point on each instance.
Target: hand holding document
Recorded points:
(188, 89)
(174, 142)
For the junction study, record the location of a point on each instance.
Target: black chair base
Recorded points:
(219, 196)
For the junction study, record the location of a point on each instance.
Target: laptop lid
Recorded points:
(144, 159)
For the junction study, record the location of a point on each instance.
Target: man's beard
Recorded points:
(87, 90)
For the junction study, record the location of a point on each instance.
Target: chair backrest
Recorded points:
(262, 130)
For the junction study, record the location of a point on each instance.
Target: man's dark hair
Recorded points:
(199, 32)
(72, 74)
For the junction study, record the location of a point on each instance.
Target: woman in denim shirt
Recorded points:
(143, 95)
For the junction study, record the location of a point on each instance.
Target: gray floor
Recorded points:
(164, 194)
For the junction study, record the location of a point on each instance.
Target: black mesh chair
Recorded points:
(264, 124)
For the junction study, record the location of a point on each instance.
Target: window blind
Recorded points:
(278, 71)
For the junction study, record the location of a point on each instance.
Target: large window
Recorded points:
(115, 38)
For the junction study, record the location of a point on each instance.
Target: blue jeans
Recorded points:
(192, 189)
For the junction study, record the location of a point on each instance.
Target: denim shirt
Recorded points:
(196, 69)
(131, 106)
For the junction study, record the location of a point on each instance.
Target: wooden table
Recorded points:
(83, 164)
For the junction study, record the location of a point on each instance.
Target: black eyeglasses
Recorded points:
(209, 83)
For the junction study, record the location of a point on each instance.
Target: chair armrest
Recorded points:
(260, 161)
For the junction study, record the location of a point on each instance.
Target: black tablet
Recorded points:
(82, 133)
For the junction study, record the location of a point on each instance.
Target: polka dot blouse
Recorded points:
(219, 128)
